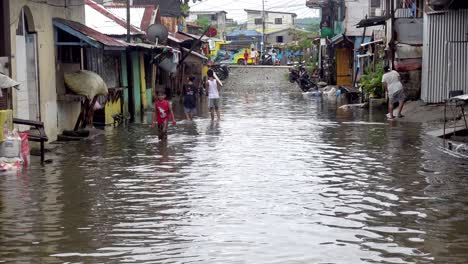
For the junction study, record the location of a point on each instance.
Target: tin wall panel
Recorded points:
(442, 34)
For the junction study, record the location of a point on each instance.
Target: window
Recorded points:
(375, 8)
(258, 21)
(278, 21)
(279, 39)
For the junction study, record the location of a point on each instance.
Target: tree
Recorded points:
(204, 22)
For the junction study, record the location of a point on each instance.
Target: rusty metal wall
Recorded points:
(441, 31)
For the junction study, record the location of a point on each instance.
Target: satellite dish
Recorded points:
(157, 33)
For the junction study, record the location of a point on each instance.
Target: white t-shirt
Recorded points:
(213, 89)
(253, 54)
(392, 78)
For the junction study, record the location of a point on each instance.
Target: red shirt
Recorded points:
(162, 111)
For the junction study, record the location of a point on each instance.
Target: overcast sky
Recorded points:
(235, 8)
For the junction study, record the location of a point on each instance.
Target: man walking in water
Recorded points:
(213, 94)
(394, 89)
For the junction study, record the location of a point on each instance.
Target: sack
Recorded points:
(86, 83)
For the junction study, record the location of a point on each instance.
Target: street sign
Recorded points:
(212, 32)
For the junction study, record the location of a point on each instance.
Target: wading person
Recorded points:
(190, 100)
(162, 114)
(253, 56)
(213, 94)
(394, 90)
(246, 57)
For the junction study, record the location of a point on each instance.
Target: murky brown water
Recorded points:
(282, 179)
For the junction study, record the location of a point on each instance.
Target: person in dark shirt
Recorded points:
(190, 100)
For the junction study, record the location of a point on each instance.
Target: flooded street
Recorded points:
(281, 179)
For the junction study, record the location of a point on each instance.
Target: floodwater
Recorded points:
(281, 179)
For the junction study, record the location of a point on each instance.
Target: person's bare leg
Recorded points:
(390, 109)
(400, 108)
(187, 116)
(212, 113)
(218, 114)
(165, 130)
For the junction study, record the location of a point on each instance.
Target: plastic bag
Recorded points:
(11, 146)
(25, 150)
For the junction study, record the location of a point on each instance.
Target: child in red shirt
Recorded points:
(162, 114)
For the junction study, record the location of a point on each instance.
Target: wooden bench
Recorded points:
(39, 136)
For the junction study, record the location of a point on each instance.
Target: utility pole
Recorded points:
(263, 27)
(128, 21)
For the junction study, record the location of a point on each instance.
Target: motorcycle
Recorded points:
(302, 78)
(267, 59)
(221, 70)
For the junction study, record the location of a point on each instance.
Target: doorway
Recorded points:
(27, 100)
(343, 67)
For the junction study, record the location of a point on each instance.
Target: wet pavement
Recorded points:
(281, 179)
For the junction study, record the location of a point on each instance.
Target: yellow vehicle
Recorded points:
(232, 55)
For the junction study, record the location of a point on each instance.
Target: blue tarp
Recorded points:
(247, 33)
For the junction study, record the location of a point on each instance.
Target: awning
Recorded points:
(87, 36)
(370, 22)
(340, 38)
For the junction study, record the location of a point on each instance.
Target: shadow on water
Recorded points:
(281, 179)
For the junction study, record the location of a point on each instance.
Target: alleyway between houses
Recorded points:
(282, 179)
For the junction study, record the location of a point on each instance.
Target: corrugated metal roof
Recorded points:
(169, 8)
(179, 38)
(89, 32)
(106, 22)
(445, 55)
(140, 16)
(196, 54)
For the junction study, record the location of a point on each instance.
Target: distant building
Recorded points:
(216, 18)
(274, 21)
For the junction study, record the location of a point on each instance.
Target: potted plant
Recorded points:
(371, 82)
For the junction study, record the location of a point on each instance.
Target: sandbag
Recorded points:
(86, 83)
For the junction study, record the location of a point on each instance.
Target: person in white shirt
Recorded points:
(253, 56)
(394, 90)
(213, 94)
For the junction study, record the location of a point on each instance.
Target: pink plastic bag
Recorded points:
(25, 151)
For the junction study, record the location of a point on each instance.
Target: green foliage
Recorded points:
(311, 24)
(204, 22)
(185, 9)
(371, 81)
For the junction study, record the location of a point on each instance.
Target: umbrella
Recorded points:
(7, 82)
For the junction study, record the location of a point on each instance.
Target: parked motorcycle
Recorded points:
(266, 59)
(299, 75)
(221, 70)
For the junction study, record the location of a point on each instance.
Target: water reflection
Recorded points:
(281, 179)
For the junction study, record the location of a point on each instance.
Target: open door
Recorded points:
(27, 100)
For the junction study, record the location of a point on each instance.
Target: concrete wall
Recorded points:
(270, 26)
(287, 35)
(41, 23)
(356, 10)
(219, 23)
